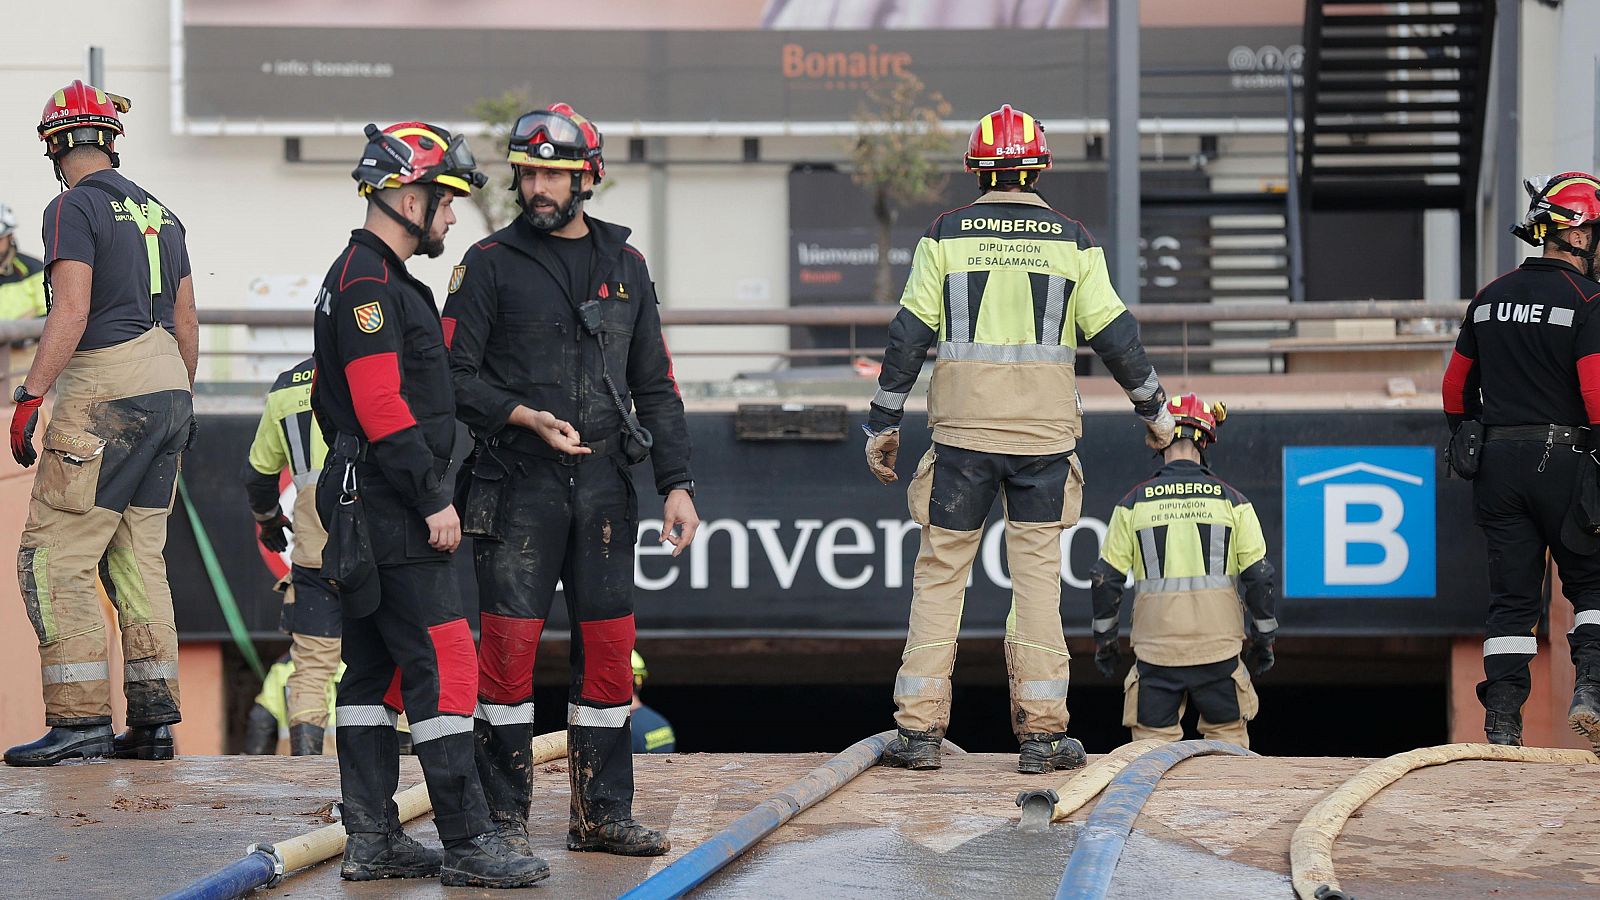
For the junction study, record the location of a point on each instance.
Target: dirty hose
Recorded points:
(1100, 842)
(1311, 848)
(267, 864)
(1088, 782)
(717, 851)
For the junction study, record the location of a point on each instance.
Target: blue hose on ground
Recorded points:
(257, 869)
(1100, 842)
(702, 862)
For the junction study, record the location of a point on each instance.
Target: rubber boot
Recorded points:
(260, 732)
(62, 742)
(487, 861)
(1584, 714)
(305, 740)
(1501, 727)
(624, 838)
(917, 750)
(143, 742)
(1043, 753)
(369, 856)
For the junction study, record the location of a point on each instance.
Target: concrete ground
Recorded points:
(1217, 827)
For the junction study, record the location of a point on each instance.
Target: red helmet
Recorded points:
(1196, 420)
(556, 137)
(1008, 140)
(81, 114)
(416, 153)
(1568, 200)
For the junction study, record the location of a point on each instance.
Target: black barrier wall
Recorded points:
(799, 539)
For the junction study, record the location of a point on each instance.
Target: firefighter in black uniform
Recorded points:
(1527, 367)
(383, 399)
(553, 328)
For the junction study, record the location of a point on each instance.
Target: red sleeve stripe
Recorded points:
(375, 392)
(1455, 384)
(448, 323)
(1589, 383)
(672, 379)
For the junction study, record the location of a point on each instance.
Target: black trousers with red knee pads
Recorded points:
(414, 653)
(575, 524)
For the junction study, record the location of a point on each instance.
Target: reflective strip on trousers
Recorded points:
(1587, 617)
(592, 717)
(920, 686)
(1266, 625)
(150, 670)
(1515, 644)
(1147, 390)
(1005, 353)
(71, 673)
(895, 400)
(498, 714)
(437, 727)
(1042, 690)
(1181, 585)
(365, 716)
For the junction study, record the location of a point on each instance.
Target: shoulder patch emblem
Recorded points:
(369, 317)
(457, 275)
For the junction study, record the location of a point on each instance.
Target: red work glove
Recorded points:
(24, 416)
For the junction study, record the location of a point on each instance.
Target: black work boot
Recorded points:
(624, 838)
(1043, 753)
(1584, 714)
(305, 740)
(143, 742)
(63, 742)
(1501, 727)
(260, 732)
(515, 833)
(488, 861)
(918, 750)
(369, 856)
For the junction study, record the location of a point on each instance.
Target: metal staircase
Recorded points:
(1394, 105)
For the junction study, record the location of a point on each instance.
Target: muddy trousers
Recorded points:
(576, 524)
(951, 496)
(415, 650)
(1156, 697)
(312, 620)
(1520, 510)
(100, 502)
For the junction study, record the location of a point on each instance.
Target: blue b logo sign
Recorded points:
(1358, 521)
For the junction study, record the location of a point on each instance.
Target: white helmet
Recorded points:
(8, 220)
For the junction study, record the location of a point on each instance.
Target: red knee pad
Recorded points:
(608, 660)
(506, 651)
(392, 697)
(458, 667)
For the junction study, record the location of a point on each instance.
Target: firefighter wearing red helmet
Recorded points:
(119, 349)
(1522, 397)
(563, 377)
(383, 400)
(1195, 548)
(1004, 286)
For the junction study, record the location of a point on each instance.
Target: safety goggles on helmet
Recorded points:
(555, 139)
(390, 160)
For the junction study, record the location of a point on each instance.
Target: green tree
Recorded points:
(495, 202)
(900, 155)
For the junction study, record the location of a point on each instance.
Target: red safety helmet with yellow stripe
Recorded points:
(416, 153)
(1195, 419)
(557, 137)
(1006, 145)
(80, 115)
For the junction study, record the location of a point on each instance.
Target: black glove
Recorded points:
(273, 535)
(1258, 657)
(194, 432)
(1106, 654)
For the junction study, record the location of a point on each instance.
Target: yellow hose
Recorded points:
(1092, 780)
(327, 842)
(1311, 848)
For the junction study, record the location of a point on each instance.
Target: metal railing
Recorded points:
(854, 318)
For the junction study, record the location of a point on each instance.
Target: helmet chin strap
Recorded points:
(427, 245)
(1565, 246)
(568, 212)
